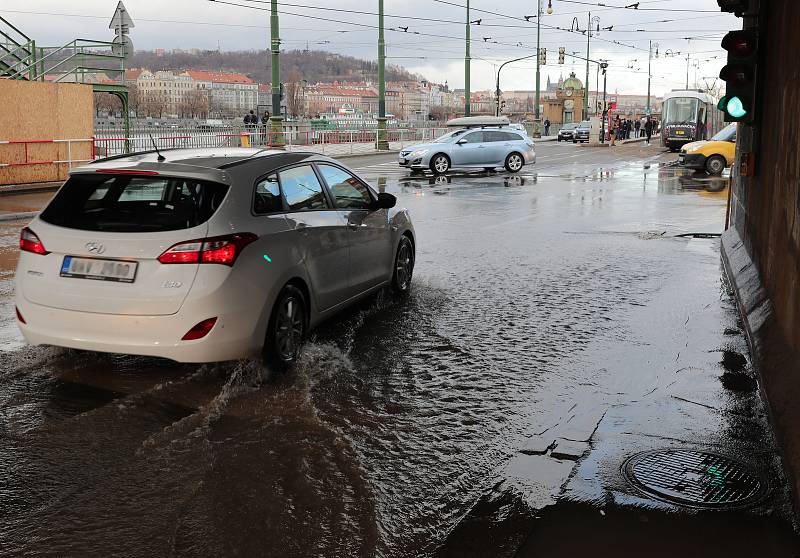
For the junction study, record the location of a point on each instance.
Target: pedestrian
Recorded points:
(546, 126)
(636, 127)
(648, 129)
(251, 120)
(614, 131)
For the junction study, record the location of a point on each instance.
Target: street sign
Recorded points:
(121, 19)
(648, 111)
(122, 46)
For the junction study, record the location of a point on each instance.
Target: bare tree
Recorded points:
(106, 103)
(294, 92)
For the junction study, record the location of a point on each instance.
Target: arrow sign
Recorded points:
(121, 19)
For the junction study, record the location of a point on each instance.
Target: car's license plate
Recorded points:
(99, 269)
(680, 132)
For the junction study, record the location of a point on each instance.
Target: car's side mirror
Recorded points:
(461, 142)
(385, 201)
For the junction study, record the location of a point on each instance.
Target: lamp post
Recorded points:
(275, 46)
(466, 68)
(497, 85)
(382, 141)
(649, 75)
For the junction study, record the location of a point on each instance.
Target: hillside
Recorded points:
(314, 66)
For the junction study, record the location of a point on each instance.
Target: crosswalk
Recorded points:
(388, 169)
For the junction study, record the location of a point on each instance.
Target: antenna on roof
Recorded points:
(160, 158)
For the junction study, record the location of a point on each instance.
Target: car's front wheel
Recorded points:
(403, 266)
(514, 162)
(287, 328)
(715, 165)
(440, 163)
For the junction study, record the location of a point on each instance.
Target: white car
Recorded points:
(206, 255)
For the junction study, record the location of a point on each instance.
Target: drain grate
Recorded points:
(695, 479)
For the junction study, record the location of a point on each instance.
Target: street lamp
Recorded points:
(649, 75)
(549, 7)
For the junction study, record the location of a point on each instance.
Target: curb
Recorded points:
(15, 189)
(18, 216)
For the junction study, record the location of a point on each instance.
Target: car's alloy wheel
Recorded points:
(403, 266)
(440, 164)
(514, 162)
(715, 165)
(286, 327)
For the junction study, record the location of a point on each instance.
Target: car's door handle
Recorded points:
(481, 146)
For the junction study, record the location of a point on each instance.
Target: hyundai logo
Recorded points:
(95, 247)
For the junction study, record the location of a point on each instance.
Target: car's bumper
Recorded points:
(415, 163)
(692, 160)
(232, 337)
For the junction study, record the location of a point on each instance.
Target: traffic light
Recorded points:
(739, 75)
(542, 56)
(561, 51)
(737, 7)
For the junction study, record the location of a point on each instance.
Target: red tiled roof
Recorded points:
(218, 77)
(133, 74)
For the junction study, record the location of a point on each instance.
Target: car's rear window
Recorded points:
(124, 203)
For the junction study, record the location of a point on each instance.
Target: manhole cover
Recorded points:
(695, 479)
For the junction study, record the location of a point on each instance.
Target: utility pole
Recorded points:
(275, 45)
(466, 69)
(537, 119)
(383, 143)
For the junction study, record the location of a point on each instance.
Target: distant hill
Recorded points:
(313, 65)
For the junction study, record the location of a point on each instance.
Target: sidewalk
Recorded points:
(680, 378)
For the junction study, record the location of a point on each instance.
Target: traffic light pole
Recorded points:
(382, 140)
(497, 85)
(466, 69)
(276, 120)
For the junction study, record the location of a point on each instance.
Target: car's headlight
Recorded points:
(419, 152)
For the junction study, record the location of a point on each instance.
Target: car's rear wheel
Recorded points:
(440, 163)
(514, 162)
(403, 266)
(715, 165)
(287, 328)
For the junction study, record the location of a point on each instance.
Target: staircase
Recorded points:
(78, 61)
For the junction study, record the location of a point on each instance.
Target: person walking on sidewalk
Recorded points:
(648, 130)
(636, 127)
(546, 126)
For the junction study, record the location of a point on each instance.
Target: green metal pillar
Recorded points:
(586, 83)
(382, 140)
(537, 130)
(466, 70)
(276, 120)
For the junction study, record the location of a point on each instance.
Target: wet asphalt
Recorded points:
(562, 320)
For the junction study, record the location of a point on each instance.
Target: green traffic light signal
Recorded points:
(734, 107)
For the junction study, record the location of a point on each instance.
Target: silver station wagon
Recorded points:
(479, 143)
(205, 255)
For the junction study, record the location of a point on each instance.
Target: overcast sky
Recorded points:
(437, 51)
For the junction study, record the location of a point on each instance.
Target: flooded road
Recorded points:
(542, 304)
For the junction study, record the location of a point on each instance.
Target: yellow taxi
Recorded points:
(711, 155)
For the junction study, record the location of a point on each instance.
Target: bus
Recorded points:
(688, 115)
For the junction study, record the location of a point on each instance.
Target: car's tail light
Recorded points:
(217, 250)
(19, 316)
(29, 242)
(200, 330)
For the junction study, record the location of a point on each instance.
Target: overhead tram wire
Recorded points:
(629, 7)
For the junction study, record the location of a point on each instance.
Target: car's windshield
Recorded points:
(728, 133)
(681, 110)
(569, 126)
(449, 138)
